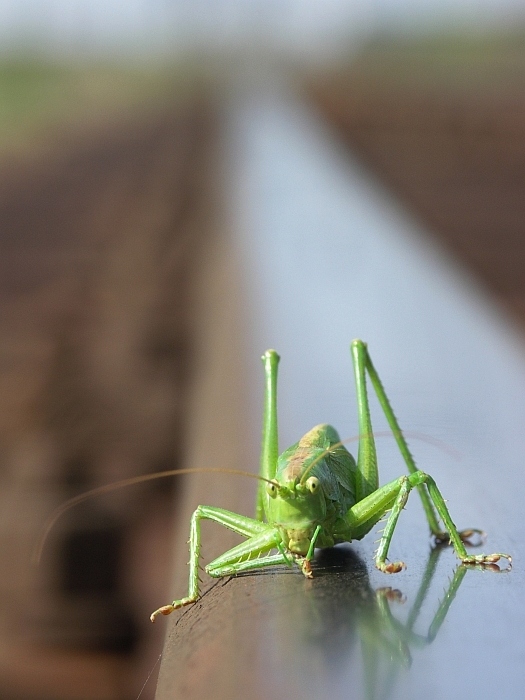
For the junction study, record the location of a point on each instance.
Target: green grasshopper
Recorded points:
(315, 495)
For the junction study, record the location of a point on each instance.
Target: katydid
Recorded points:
(315, 495)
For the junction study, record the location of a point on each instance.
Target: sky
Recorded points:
(295, 25)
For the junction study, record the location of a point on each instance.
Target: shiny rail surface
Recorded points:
(323, 255)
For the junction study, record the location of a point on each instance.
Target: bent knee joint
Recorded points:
(418, 478)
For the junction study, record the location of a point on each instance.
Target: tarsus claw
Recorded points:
(488, 561)
(391, 568)
(306, 568)
(168, 609)
(466, 536)
(443, 538)
(164, 610)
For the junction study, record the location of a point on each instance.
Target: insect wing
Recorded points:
(342, 467)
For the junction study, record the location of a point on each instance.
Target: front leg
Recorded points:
(238, 523)
(456, 538)
(393, 497)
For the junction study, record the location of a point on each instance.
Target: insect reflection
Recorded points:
(348, 623)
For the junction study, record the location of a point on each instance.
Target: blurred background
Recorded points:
(114, 188)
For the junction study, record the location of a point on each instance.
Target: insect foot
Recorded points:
(488, 561)
(168, 609)
(393, 567)
(471, 536)
(306, 568)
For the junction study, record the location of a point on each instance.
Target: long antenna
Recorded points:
(435, 442)
(99, 490)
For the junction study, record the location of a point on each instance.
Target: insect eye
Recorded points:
(271, 490)
(312, 484)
